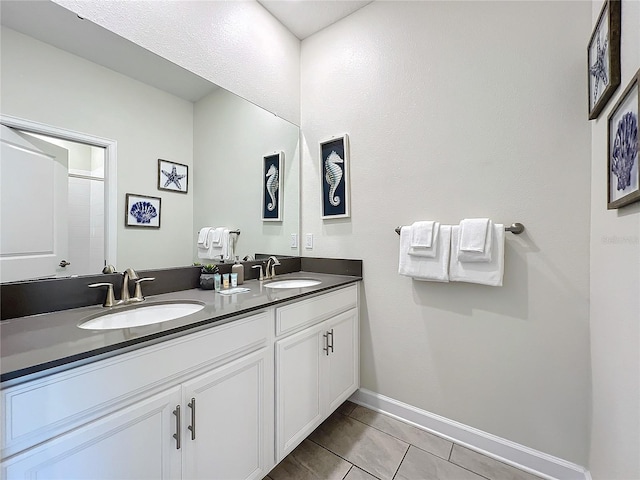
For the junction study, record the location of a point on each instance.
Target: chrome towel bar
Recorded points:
(515, 228)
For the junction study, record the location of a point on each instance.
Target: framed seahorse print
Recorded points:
(334, 167)
(272, 172)
(603, 57)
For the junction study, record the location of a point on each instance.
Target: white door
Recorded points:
(33, 206)
(225, 420)
(343, 373)
(132, 444)
(299, 373)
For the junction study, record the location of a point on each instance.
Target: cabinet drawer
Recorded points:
(313, 310)
(38, 410)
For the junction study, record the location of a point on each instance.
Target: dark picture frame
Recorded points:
(272, 192)
(173, 176)
(623, 148)
(334, 168)
(603, 58)
(142, 211)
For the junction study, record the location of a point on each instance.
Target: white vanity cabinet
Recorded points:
(198, 406)
(317, 367)
(133, 443)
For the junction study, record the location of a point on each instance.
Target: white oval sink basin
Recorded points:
(293, 283)
(141, 315)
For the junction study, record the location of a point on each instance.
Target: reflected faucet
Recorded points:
(273, 261)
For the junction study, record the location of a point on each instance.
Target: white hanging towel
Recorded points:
(475, 240)
(427, 234)
(216, 250)
(485, 273)
(424, 268)
(202, 237)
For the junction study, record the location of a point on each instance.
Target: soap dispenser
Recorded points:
(238, 268)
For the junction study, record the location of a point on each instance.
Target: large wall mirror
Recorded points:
(116, 109)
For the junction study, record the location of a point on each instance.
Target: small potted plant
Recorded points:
(206, 276)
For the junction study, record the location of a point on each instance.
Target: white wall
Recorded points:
(230, 138)
(235, 44)
(615, 303)
(47, 85)
(454, 110)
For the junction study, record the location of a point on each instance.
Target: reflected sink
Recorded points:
(293, 283)
(141, 315)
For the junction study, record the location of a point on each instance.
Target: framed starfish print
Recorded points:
(603, 57)
(623, 145)
(173, 176)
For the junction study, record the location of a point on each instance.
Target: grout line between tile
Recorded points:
(400, 464)
(346, 474)
(450, 452)
(340, 456)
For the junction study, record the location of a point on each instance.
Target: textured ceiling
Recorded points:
(306, 17)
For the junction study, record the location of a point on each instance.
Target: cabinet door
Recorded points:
(299, 370)
(227, 438)
(134, 443)
(343, 359)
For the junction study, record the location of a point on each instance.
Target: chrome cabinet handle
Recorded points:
(192, 427)
(64, 263)
(176, 435)
(330, 345)
(326, 343)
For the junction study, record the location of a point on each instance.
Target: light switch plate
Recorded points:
(294, 240)
(308, 241)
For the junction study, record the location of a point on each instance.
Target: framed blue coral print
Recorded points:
(142, 211)
(272, 170)
(623, 145)
(334, 167)
(603, 57)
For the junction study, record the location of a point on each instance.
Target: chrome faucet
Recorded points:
(273, 261)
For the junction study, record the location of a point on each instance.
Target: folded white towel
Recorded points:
(422, 234)
(470, 255)
(485, 273)
(474, 234)
(422, 268)
(217, 235)
(429, 252)
(202, 236)
(216, 250)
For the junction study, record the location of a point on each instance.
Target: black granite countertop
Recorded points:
(50, 342)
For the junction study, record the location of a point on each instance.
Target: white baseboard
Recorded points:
(506, 451)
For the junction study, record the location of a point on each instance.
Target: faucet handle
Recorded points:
(138, 292)
(109, 300)
(261, 272)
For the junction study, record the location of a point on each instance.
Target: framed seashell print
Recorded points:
(142, 211)
(623, 145)
(334, 168)
(603, 58)
(272, 173)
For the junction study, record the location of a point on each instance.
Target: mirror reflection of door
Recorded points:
(55, 226)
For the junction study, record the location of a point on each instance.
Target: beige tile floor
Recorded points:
(356, 443)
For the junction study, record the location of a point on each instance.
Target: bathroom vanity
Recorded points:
(225, 393)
